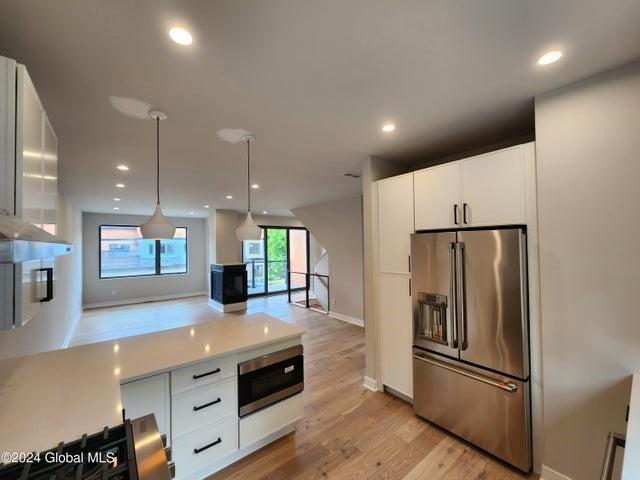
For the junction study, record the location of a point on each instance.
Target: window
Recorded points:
(124, 253)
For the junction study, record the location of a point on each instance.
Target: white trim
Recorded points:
(371, 384)
(551, 474)
(133, 301)
(346, 318)
(227, 307)
(72, 329)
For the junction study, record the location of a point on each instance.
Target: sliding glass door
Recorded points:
(268, 260)
(276, 239)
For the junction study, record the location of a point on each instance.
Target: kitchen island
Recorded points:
(60, 395)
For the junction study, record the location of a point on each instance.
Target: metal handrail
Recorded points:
(614, 440)
(307, 286)
(254, 261)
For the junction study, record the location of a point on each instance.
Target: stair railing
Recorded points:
(614, 440)
(307, 286)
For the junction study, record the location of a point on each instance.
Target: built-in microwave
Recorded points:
(270, 378)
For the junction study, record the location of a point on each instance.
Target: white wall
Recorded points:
(337, 225)
(56, 320)
(98, 291)
(588, 160)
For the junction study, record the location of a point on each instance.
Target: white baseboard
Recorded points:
(346, 318)
(551, 474)
(72, 328)
(229, 307)
(133, 301)
(371, 384)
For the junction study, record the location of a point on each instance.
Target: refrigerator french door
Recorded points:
(471, 355)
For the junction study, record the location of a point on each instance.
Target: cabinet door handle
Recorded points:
(409, 287)
(212, 372)
(49, 273)
(200, 407)
(464, 213)
(212, 444)
(455, 213)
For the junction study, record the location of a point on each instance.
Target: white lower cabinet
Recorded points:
(149, 395)
(192, 409)
(197, 408)
(197, 454)
(396, 333)
(203, 373)
(264, 426)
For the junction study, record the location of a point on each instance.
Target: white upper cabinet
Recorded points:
(29, 148)
(438, 197)
(485, 190)
(493, 188)
(395, 222)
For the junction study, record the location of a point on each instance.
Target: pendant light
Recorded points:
(248, 230)
(158, 227)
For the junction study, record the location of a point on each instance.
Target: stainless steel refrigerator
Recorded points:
(471, 341)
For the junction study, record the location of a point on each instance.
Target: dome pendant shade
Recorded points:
(248, 230)
(158, 227)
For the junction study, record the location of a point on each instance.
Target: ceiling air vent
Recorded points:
(350, 175)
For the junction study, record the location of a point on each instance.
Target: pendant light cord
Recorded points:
(249, 176)
(158, 159)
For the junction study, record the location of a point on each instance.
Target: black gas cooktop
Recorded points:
(105, 455)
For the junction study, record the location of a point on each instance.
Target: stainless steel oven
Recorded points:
(270, 378)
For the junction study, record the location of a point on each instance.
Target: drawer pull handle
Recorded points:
(212, 444)
(217, 400)
(212, 372)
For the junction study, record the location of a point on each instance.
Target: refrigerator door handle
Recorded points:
(453, 306)
(460, 295)
(508, 386)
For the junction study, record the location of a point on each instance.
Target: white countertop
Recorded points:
(60, 395)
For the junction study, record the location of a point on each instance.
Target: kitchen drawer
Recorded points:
(192, 409)
(203, 373)
(213, 443)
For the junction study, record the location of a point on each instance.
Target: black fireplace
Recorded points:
(229, 286)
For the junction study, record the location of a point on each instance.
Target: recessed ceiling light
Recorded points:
(116, 199)
(388, 127)
(264, 212)
(255, 185)
(120, 185)
(206, 206)
(550, 57)
(192, 213)
(123, 168)
(180, 36)
(116, 208)
(229, 197)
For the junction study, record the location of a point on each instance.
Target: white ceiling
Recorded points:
(314, 80)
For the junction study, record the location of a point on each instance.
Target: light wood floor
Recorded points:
(110, 323)
(347, 431)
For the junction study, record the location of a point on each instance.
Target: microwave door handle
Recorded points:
(453, 307)
(460, 295)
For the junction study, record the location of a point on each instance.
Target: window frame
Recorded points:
(158, 261)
